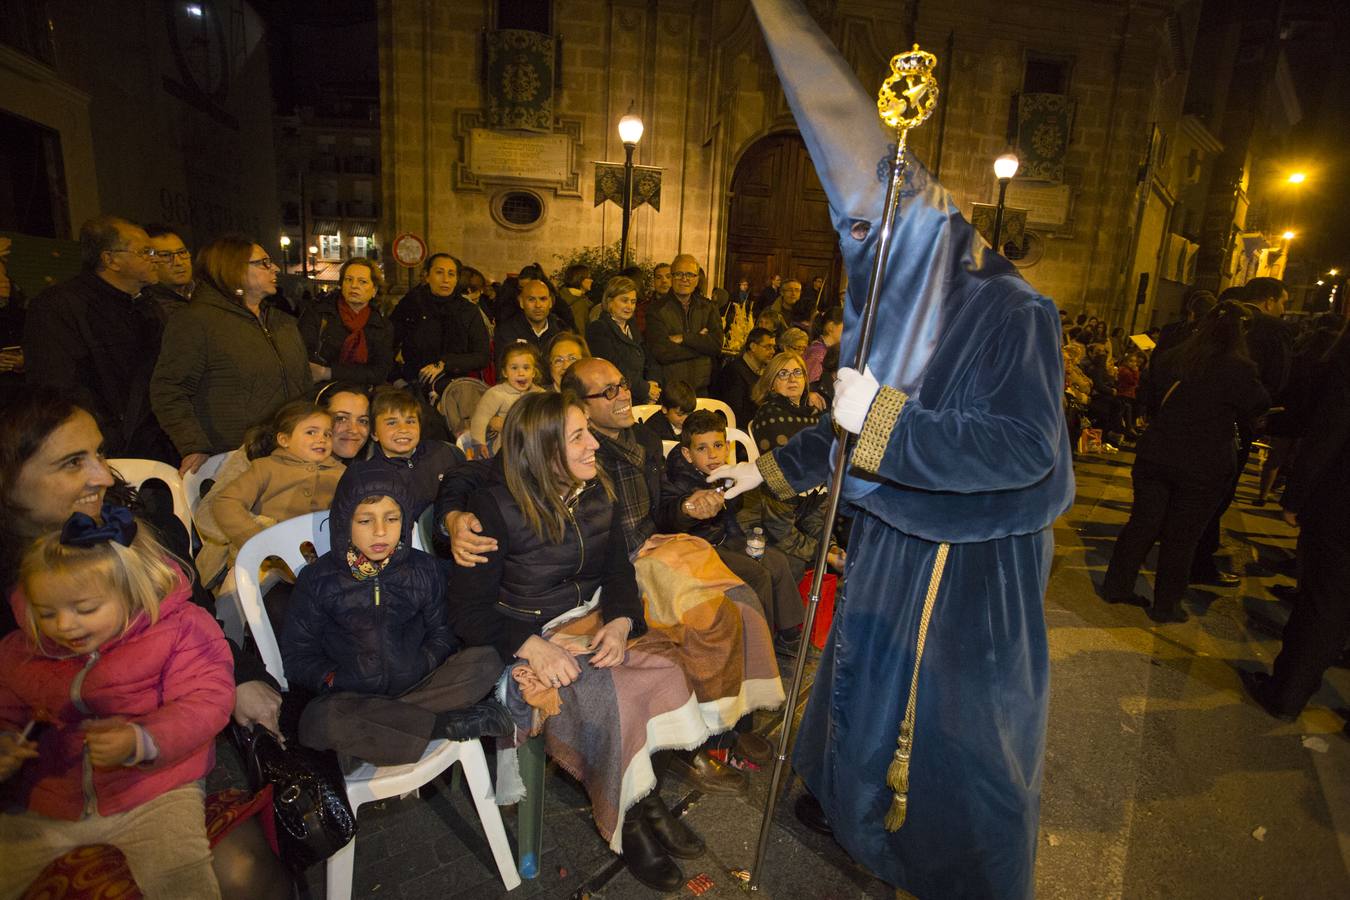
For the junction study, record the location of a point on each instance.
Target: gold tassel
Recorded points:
(895, 817)
(897, 774)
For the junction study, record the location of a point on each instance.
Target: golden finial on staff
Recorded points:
(918, 98)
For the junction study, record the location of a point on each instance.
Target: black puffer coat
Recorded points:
(527, 582)
(381, 635)
(429, 329)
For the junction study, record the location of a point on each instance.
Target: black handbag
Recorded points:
(314, 820)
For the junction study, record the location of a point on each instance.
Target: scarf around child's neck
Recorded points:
(363, 567)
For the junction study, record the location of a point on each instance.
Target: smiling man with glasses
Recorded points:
(684, 330)
(97, 335)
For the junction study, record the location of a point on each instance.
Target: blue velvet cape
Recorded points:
(978, 457)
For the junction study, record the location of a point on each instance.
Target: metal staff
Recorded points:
(916, 100)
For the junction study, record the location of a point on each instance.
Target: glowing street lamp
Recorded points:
(1288, 235)
(285, 252)
(1005, 167)
(1320, 282)
(630, 132)
(1334, 272)
(1298, 177)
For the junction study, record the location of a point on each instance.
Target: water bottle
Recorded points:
(754, 544)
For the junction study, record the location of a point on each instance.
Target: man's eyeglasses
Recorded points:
(610, 391)
(144, 252)
(263, 263)
(683, 274)
(785, 374)
(167, 255)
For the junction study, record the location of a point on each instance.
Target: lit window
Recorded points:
(330, 246)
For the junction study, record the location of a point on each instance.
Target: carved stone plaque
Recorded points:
(1046, 204)
(537, 157)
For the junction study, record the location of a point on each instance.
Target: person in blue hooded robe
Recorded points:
(961, 444)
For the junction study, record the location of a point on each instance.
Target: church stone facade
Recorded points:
(699, 75)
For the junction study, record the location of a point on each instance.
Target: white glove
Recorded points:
(746, 475)
(854, 392)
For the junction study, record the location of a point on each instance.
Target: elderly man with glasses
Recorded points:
(97, 335)
(684, 330)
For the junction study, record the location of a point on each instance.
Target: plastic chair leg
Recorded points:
(339, 872)
(530, 812)
(480, 786)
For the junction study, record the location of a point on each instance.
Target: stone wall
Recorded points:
(699, 75)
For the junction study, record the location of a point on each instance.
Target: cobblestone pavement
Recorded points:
(1161, 780)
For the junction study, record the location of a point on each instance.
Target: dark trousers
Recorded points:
(392, 731)
(1209, 538)
(1171, 507)
(771, 578)
(1319, 624)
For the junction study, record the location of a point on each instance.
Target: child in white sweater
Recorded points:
(518, 369)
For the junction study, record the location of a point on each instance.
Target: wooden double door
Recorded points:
(779, 220)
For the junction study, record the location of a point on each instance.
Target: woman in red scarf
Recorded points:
(346, 336)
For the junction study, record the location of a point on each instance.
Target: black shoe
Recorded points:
(1285, 593)
(647, 859)
(1257, 685)
(709, 775)
(678, 838)
(787, 643)
(1167, 613)
(486, 719)
(811, 814)
(1216, 578)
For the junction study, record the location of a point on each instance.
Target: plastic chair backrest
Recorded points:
(284, 541)
(719, 406)
(667, 446)
(138, 471)
(735, 435)
(424, 529)
(644, 411)
(192, 481)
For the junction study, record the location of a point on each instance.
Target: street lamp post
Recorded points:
(286, 253)
(630, 132)
(1005, 167)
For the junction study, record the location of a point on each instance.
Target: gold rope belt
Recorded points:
(897, 774)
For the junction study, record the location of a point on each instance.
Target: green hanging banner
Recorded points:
(1044, 123)
(520, 80)
(646, 185)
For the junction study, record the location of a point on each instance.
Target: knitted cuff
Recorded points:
(877, 428)
(774, 479)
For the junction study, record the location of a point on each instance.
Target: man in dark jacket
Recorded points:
(537, 324)
(684, 331)
(738, 377)
(96, 337)
(1318, 502)
(368, 631)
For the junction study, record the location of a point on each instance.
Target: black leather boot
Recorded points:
(678, 838)
(646, 858)
(486, 719)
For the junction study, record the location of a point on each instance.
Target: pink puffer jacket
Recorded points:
(175, 679)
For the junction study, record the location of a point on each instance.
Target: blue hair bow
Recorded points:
(82, 531)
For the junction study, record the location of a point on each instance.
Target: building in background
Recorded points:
(329, 173)
(157, 111)
(494, 115)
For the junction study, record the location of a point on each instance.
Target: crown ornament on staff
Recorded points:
(912, 73)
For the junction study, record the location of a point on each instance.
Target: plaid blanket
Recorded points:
(706, 660)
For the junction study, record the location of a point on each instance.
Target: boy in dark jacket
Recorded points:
(702, 451)
(368, 631)
(396, 425)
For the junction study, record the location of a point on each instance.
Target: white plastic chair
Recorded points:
(367, 783)
(193, 481)
(138, 471)
(667, 446)
(719, 406)
(644, 411)
(737, 436)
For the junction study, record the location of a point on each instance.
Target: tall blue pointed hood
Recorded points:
(935, 261)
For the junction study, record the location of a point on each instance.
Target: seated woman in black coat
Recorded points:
(345, 335)
(559, 595)
(614, 336)
(1197, 396)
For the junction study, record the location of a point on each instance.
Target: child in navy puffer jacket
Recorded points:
(368, 631)
(110, 701)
